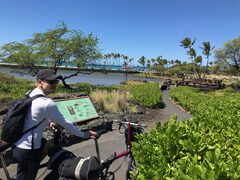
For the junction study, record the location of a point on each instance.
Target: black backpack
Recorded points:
(13, 122)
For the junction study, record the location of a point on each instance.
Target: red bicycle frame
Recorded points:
(106, 164)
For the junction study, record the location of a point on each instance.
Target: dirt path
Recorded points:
(170, 108)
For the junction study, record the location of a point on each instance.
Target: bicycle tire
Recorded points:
(131, 167)
(110, 176)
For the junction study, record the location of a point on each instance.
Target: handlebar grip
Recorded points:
(143, 125)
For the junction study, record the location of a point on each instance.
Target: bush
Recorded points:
(204, 147)
(147, 95)
(12, 87)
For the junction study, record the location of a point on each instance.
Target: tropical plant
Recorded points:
(187, 43)
(142, 60)
(206, 50)
(197, 60)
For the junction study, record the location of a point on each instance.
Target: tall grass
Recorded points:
(113, 101)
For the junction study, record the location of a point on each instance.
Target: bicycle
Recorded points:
(65, 169)
(134, 129)
(63, 163)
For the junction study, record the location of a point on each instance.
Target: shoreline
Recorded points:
(75, 68)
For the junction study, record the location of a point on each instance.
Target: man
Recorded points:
(27, 151)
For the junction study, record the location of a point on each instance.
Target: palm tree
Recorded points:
(130, 62)
(165, 61)
(118, 56)
(115, 59)
(178, 62)
(153, 61)
(206, 50)
(188, 43)
(148, 63)
(142, 61)
(125, 65)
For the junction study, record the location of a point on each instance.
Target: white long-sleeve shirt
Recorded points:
(43, 108)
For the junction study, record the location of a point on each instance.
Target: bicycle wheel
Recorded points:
(131, 167)
(110, 176)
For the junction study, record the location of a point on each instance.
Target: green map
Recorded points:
(77, 110)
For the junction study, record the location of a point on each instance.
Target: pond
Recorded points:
(96, 78)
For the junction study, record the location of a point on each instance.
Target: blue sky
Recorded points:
(134, 28)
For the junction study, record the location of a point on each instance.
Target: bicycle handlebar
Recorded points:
(133, 124)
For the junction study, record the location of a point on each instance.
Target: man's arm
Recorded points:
(52, 113)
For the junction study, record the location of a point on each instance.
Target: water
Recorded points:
(95, 78)
(115, 67)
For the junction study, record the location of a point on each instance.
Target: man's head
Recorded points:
(47, 74)
(47, 81)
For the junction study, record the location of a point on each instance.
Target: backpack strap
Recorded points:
(32, 98)
(32, 127)
(32, 131)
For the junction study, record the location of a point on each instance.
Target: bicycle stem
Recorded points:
(129, 136)
(97, 151)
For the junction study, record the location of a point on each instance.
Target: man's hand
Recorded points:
(53, 126)
(90, 134)
(93, 134)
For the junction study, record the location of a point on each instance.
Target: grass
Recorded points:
(114, 101)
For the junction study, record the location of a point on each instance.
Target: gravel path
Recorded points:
(171, 108)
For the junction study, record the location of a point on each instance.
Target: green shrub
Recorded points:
(148, 94)
(238, 83)
(85, 88)
(13, 88)
(204, 147)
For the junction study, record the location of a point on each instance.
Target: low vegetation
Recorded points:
(114, 98)
(13, 88)
(147, 95)
(204, 147)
